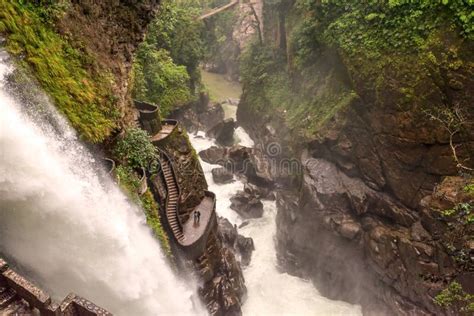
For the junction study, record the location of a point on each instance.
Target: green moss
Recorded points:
(153, 220)
(455, 300)
(83, 96)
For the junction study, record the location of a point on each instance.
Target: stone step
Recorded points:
(7, 297)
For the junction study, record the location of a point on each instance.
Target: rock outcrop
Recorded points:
(243, 246)
(242, 161)
(222, 175)
(110, 32)
(223, 132)
(246, 205)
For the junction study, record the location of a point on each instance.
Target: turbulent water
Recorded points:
(270, 292)
(70, 229)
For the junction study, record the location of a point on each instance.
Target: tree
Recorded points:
(454, 121)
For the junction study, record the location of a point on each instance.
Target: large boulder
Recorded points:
(214, 155)
(222, 175)
(242, 246)
(246, 205)
(240, 160)
(245, 247)
(259, 192)
(223, 132)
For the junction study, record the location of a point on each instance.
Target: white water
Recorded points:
(270, 292)
(72, 231)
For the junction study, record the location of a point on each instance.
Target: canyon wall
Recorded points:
(367, 134)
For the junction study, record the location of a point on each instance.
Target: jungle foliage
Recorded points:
(166, 65)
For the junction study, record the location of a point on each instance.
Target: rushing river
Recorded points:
(270, 292)
(70, 229)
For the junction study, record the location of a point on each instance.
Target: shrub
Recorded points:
(135, 150)
(456, 300)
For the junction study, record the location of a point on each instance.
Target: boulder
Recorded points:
(228, 231)
(245, 247)
(214, 155)
(212, 115)
(259, 192)
(222, 175)
(246, 205)
(223, 132)
(240, 160)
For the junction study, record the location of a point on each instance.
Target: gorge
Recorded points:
(267, 157)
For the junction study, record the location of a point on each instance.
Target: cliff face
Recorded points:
(371, 148)
(81, 53)
(109, 32)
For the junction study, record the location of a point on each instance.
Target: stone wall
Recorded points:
(19, 296)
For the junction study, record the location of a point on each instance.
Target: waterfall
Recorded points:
(68, 228)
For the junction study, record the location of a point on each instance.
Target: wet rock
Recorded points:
(245, 247)
(259, 192)
(222, 175)
(199, 116)
(349, 229)
(223, 132)
(240, 160)
(212, 115)
(214, 155)
(228, 231)
(246, 205)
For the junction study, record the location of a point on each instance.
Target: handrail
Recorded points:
(178, 189)
(145, 107)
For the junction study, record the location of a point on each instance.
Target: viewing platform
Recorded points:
(190, 236)
(149, 119)
(18, 296)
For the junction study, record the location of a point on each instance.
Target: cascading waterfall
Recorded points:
(68, 228)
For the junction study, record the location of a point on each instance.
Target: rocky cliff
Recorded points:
(371, 131)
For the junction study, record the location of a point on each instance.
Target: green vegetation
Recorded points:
(373, 27)
(218, 36)
(455, 300)
(159, 80)
(135, 149)
(408, 42)
(469, 189)
(153, 220)
(462, 212)
(166, 65)
(64, 72)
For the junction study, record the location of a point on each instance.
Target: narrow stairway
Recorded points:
(172, 200)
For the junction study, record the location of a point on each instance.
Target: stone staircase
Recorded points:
(172, 198)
